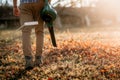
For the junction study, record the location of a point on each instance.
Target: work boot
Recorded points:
(38, 61)
(29, 63)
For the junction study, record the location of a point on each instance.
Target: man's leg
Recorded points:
(38, 32)
(25, 16)
(39, 43)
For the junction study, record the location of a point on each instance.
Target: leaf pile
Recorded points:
(71, 60)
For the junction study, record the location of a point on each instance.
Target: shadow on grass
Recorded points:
(15, 76)
(18, 75)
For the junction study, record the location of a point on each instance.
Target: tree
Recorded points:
(0, 2)
(75, 3)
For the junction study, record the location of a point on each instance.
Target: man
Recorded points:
(29, 10)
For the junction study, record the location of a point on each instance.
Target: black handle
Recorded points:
(52, 35)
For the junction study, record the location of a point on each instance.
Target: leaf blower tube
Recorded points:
(48, 14)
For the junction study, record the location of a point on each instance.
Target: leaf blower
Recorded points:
(49, 14)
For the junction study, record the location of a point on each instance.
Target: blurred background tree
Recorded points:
(71, 12)
(7, 20)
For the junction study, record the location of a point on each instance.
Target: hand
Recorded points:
(16, 11)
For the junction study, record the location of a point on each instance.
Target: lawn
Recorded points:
(83, 53)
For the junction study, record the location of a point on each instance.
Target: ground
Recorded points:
(82, 53)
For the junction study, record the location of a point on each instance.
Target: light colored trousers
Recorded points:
(31, 12)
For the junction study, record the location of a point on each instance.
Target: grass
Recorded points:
(83, 53)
